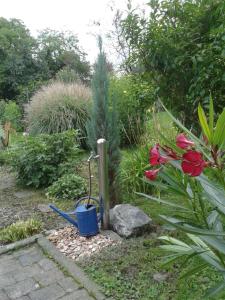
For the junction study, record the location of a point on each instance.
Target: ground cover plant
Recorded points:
(20, 230)
(134, 271)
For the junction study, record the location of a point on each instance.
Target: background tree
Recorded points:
(57, 50)
(179, 48)
(104, 121)
(17, 63)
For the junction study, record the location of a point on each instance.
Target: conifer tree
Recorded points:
(104, 121)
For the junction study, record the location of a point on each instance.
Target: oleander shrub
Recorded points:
(58, 107)
(38, 160)
(20, 230)
(67, 187)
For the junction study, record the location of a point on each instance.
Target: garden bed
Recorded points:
(68, 241)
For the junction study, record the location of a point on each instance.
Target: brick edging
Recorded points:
(76, 272)
(20, 244)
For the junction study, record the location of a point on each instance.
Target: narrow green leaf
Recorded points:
(177, 249)
(173, 241)
(211, 116)
(219, 133)
(215, 290)
(218, 244)
(159, 200)
(203, 122)
(190, 229)
(214, 194)
(194, 270)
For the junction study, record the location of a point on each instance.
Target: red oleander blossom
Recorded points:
(155, 157)
(151, 174)
(193, 163)
(182, 141)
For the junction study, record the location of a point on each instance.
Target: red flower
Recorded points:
(155, 157)
(182, 142)
(192, 163)
(152, 174)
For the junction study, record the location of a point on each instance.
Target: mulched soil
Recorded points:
(68, 241)
(17, 203)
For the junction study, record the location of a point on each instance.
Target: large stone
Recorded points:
(128, 220)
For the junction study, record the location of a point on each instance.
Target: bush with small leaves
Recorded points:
(67, 187)
(38, 161)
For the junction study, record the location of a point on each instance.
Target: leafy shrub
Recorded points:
(133, 98)
(10, 112)
(158, 127)
(59, 107)
(69, 186)
(131, 170)
(38, 160)
(20, 230)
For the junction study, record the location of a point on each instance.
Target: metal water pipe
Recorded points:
(103, 180)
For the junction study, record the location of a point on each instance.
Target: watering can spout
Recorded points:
(64, 215)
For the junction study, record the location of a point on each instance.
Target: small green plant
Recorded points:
(12, 114)
(59, 107)
(67, 187)
(131, 170)
(38, 160)
(20, 230)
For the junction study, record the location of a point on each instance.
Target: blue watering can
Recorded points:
(86, 215)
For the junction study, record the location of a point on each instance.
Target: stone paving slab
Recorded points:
(28, 274)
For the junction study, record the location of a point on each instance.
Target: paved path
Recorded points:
(27, 274)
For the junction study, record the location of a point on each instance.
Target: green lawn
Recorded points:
(126, 272)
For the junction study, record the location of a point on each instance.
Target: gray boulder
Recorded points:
(128, 220)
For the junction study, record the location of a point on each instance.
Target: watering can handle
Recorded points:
(101, 208)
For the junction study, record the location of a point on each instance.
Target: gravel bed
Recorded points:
(68, 241)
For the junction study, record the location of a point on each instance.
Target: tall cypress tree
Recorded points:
(104, 121)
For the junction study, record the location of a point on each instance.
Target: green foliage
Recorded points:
(26, 62)
(12, 114)
(104, 121)
(201, 216)
(67, 75)
(38, 160)
(157, 127)
(59, 107)
(134, 97)
(133, 163)
(179, 47)
(17, 65)
(57, 50)
(127, 271)
(67, 187)
(20, 230)
(2, 109)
